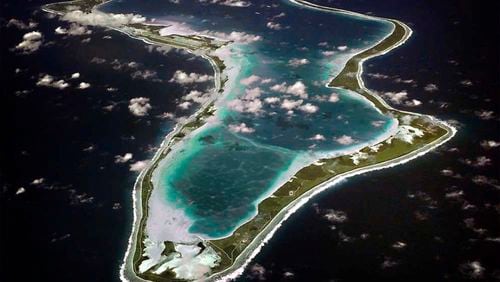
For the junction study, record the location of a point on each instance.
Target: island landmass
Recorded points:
(416, 135)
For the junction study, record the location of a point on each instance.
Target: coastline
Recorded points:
(127, 270)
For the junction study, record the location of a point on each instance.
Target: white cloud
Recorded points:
(273, 25)
(309, 108)
(484, 114)
(241, 128)
(413, 103)
(185, 105)
(75, 75)
(138, 166)
(397, 97)
(431, 87)
(335, 216)
(272, 100)
(488, 144)
(297, 62)
(334, 98)
(123, 159)
(236, 36)
(31, 42)
(328, 53)
(49, 81)
(20, 24)
(97, 18)
(378, 76)
(253, 93)
(83, 85)
(473, 270)
(342, 48)
(297, 89)
(344, 140)
(74, 29)
(250, 80)
(197, 96)
(144, 74)
(38, 181)
(184, 78)
(291, 104)
(230, 3)
(318, 137)
(466, 82)
(245, 106)
(139, 106)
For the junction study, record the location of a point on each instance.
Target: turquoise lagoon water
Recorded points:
(218, 176)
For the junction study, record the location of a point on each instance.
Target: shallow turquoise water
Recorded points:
(219, 175)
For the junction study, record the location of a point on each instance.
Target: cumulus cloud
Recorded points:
(335, 216)
(75, 75)
(123, 159)
(488, 144)
(344, 140)
(297, 62)
(328, 53)
(472, 269)
(431, 87)
(235, 36)
(74, 29)
(138, 166)
(318, 137)
(139, 106)
(49, 81)
(98, 18)
(297, 89)
(83, 85)
(272, 100)
(20, 24)
(466, 82)
(396, 97)
(241, 128)
(273, 25)
(334, 98)
(31, 42)
(230, 3)
(291, 104)
(250, 80)
(478, 162)
(378, 76)
(309, 108)
(197, 96)
(246, 106)
(342, 48)
(258, 272)
(144, 74)
(185, 78)
(185, 105)
(485, 115)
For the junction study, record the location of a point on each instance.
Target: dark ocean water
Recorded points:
(66, 229)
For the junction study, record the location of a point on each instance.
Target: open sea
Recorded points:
(435, 218)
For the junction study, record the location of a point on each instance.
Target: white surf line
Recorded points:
(234, 271)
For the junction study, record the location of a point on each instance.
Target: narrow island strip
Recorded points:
(415, 136)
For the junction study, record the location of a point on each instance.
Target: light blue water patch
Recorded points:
(220, 174)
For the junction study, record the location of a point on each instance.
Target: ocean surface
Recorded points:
(219, 183)
(74, 225)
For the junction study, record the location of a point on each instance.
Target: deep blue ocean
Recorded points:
(432, 219)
